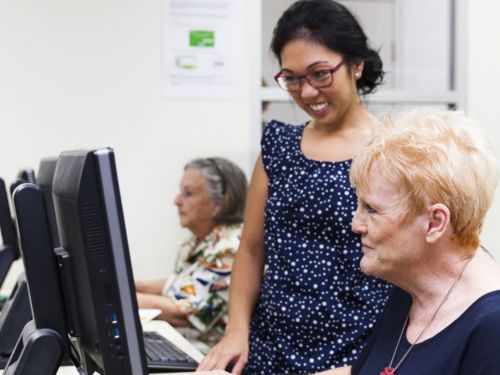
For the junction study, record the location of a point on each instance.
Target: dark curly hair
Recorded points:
(332, 25)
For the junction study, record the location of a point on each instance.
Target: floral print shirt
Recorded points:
(201, 279)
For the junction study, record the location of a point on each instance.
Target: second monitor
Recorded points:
(89, 218)
(94, 250)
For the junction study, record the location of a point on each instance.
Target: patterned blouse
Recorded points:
(201, 280)
(316, 308)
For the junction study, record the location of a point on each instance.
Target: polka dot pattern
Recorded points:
(316, 308)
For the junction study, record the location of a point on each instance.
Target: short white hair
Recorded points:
(435, 157)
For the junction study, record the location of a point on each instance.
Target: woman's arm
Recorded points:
(170, 312)
(246, 280)
(150, 286)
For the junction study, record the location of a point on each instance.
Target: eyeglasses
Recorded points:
(319, 79)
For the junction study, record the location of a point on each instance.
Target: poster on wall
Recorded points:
(203, 49)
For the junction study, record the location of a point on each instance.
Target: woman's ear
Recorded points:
(438, 224)
(357, 68)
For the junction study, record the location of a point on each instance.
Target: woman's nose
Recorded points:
(307, 90)
(358, 226)
(177, 200)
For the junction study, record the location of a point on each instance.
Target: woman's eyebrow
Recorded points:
(312, 65)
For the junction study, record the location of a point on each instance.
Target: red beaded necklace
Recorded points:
(390, 370)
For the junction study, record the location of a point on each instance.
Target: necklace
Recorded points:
(392, 370)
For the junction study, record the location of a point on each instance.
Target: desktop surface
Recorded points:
(164, 329)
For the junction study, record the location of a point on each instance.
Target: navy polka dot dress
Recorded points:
(316, 308)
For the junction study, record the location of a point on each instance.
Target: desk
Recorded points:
(165, 330)
(159, 326)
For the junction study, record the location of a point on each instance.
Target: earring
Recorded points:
(358, 74)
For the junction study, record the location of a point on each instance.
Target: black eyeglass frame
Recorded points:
(308, 78)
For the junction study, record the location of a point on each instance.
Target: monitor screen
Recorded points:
(91, 228)
(44, 179)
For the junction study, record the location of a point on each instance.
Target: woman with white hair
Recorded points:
(210, 203)
(425, 182)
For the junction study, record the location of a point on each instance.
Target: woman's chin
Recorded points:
(367, 266)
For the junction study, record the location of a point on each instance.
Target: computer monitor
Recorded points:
(91, 228)
(27, 175)
(9, 250)
(16, 308)
(43, 343)
(45, 177)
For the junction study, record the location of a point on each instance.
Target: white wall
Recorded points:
(77, 74)
(483, 66)
(85, 74)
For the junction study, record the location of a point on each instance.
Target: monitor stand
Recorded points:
(15, 314)
(38, 352)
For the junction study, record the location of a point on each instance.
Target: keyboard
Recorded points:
(161, 354)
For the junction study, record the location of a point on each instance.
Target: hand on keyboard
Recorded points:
(231, 353)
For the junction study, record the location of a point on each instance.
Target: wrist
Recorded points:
(238, 329)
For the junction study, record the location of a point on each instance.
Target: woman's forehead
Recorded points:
(306, 53)
(193, 177)
(381, 186)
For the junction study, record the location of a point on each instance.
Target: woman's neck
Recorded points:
(445, 293)
(337, 142)
(433, 283)
(200, 233)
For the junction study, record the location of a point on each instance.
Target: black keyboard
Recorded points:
(161, 354)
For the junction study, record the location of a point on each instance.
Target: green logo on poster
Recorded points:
(201, 38)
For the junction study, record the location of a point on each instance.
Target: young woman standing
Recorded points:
(312, 308)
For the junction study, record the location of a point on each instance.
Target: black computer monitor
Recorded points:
(9, 250)
(45, 177)
(27, 175)
(43, 343)
(91, 228)
(15, 310)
